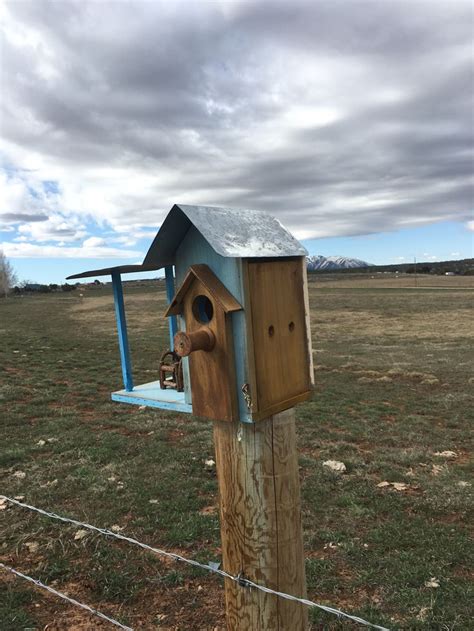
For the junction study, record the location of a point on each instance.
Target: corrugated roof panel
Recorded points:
(172, 231)
(231, 232)
(243, 233)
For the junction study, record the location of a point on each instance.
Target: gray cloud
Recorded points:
(339, 117)
(21, 217)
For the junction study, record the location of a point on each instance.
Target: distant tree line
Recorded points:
(27, 287)
(464, 267)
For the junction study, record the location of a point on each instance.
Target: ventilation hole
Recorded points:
(291, 326)
(203, 310)
(271, 330)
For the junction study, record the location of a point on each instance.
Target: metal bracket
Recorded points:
(241, 580)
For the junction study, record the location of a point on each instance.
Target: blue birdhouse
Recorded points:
(240, 340)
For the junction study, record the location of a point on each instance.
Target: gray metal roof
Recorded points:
(230, 232)
(105, 271)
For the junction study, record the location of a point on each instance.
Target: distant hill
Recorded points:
(464, 267)
(328, 263)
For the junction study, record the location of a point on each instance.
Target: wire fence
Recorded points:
(210, 567)
(65, 597)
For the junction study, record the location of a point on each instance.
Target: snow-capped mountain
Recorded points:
(319, 262)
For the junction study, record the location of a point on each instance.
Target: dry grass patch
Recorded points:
(370, 550)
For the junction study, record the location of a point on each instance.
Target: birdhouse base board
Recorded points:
(282, 406)
(151, 395)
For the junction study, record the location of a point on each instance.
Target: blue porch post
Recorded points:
(172, 324)
(122, 332)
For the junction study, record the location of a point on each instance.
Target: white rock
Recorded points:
(21, 475)
(32, 546)
(399, 486)
(335, 465)
(433, 582)
(80, 534)
(332, 546)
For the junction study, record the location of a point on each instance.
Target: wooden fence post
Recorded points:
(257, 470)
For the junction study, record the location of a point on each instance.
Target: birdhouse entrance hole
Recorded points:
(202, 309)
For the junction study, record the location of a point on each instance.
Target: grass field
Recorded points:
(394, 383)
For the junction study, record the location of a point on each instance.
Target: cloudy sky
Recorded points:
(351, 121)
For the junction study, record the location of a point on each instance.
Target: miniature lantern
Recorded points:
(239, 317)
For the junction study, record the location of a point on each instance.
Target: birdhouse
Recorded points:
(206, 306)
(238, 316)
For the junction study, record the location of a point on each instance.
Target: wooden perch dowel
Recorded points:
(200, 340)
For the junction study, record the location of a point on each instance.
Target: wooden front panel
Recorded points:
(280, 344)
(212, 374)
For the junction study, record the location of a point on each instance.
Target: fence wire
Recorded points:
(68, 599)
(242, 581)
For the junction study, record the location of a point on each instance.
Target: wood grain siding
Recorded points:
(251, 378)
(212, 374)
(214, 286)
(257, 470)
(309, 339)
(279, 333)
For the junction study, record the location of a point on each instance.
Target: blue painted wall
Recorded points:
(170, 292)
(194, 249)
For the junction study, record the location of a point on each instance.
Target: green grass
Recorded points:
(392, 389)
(13, 608)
